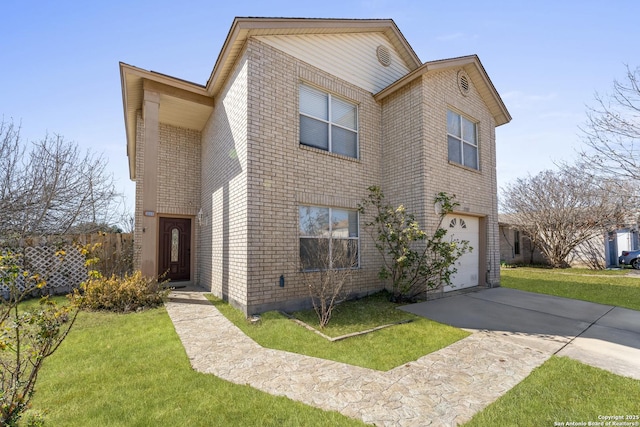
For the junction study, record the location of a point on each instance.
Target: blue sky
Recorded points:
(59, 60)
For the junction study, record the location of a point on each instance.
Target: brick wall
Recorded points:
(222, 251)
(137, 231)
(284, 175)
(255, 174)
(416, 165)
(178, 176)
(178, 171)
(475, 190)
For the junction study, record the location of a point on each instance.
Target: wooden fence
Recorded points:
(60, 259)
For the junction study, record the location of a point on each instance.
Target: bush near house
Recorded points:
(133, 292)
(415, 261)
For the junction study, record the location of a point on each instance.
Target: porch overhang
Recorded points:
(182, 103)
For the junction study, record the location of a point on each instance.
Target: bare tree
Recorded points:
(333, 270)
(590, 254)
(50, 186)
(559, 210)
(612, 131)
(327, 258)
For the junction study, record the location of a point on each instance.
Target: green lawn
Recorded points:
(603, 287)
(560, 391)
(358, 315)
(382, 350)
(131, 370)
(563, 390)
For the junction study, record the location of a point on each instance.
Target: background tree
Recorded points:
(50, 186)
(612, 131)
(559, 210)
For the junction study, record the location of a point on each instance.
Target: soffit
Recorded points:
(183, 104)
(243, 28)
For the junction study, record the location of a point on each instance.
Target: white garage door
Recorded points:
(461, 227)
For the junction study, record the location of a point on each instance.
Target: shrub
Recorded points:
(28, 335)
(414, 260)
(132, 292)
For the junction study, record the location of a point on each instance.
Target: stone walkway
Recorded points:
(444, 388)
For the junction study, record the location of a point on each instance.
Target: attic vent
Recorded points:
(383, 55)
(464, 84)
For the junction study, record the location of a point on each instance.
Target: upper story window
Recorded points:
(328, 238)
(462, 138)
(327, 122)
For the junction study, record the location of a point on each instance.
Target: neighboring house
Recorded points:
(516, 247)
(297, 119)
(615, 242)
(599, 252)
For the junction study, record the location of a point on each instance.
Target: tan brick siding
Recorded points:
(137, 231)
(178, 176)
(248, 175)
(416, 165)
(222, 251)
(284, 175)
(178, 171)
(255, 174)
(475, 190)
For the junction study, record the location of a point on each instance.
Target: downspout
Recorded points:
(494, 198)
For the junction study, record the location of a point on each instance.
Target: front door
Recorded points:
(174, 253)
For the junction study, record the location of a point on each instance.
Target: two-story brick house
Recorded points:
(298, 118)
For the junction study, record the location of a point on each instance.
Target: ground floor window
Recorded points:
(328, 238)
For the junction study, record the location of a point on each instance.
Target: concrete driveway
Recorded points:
(604, 336)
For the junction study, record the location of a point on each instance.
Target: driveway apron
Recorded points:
(604, 336)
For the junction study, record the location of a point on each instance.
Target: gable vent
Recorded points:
(463, 82)
(384, 56)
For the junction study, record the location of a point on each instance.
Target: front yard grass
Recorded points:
(602, 287)
(563, 390)
(381, 350)
(131, 370)
(122, 370)
(358, 315)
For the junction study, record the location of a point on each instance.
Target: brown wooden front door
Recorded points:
(174, 252)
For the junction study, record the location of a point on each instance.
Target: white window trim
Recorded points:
(330, 237)
(463, 141)
(330, 123)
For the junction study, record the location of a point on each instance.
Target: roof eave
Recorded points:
(243, 28)
(133, 77)
(131, 152)
(500, 113)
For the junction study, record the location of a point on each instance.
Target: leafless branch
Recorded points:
(559, 210)
(50, 186)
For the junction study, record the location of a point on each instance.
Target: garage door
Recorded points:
(461, 227)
